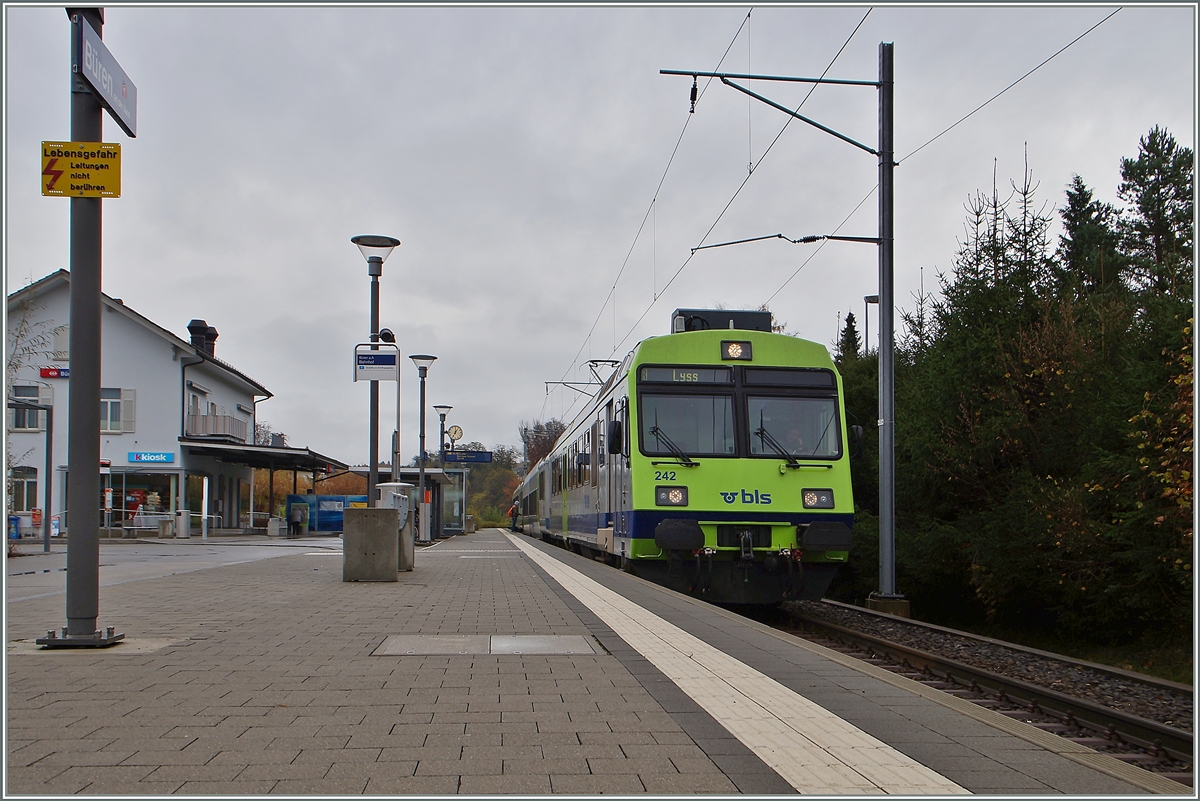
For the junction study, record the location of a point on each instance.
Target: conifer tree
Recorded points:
(1157, 231)
(849, 343)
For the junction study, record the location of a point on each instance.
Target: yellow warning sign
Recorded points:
(81, 169)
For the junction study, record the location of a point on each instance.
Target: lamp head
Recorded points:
(870, 298)
(386, 335)
(442, 410)
(423, 362)
(375, 250)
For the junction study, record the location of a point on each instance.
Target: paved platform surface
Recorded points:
(470, 676)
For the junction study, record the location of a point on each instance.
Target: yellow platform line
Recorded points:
(812, 749)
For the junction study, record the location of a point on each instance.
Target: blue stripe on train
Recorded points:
(642, 523)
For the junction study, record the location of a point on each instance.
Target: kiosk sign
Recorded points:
(91, 59)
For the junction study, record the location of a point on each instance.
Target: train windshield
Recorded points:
(696, 425)
(800, 427)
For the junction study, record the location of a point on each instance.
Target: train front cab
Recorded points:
(740, 484)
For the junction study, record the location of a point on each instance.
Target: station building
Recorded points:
(176, 423)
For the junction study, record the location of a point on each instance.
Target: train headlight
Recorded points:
(670, 496)
(817, 498)
(736, 351)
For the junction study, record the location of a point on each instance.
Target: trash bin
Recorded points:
(14, 527)
(183, 529)
(407, 553)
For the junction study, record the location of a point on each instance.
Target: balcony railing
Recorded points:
(216, 425)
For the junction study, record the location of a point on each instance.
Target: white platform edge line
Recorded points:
(716, 681)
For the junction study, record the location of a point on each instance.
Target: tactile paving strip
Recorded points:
(810, 747)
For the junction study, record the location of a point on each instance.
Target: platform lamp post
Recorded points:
(442, 411)
(867, 301)
(375, 250)
(422, 361)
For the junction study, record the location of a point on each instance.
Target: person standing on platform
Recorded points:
(512, 513)
(295, 516)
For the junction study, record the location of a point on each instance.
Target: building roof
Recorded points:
(263, 457)
(63, 278)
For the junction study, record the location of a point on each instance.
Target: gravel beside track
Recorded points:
(1163, 704)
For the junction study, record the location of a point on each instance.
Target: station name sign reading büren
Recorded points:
(91, 59)
(81, 169)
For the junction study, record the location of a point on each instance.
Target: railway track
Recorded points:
(1139, 740)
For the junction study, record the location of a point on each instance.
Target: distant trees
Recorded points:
(492, 484)
(1044, 414)
(264, 434)
(538, 438)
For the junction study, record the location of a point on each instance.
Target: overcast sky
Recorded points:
(516, 153)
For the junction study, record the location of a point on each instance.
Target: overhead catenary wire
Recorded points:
(742, 185)
(658, 294)
(1059, 52)
(671, 160)
(1046, 61)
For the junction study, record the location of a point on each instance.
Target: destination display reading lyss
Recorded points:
(687, 375)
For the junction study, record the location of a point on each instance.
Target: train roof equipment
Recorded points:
(707, 319)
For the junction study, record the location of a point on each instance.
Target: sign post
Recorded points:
(98, 83)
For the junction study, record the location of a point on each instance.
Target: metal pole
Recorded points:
(442, 439)
(887, 419)
(47, 503)
(83, 416)
(375, 269)
(867, 301)
(424, 524)
(396, 437)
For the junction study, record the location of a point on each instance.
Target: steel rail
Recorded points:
(1164, 685)
(1141, 732)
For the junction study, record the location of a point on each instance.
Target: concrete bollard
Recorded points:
(370, 545)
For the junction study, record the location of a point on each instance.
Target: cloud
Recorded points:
(516, 152)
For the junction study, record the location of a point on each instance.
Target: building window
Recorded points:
(110, 410)
(25, 419)
(29, 419)
(116, 410)
(24, 488)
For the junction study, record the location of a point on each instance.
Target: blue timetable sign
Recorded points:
(469, 456)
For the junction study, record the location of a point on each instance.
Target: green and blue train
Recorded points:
(714, 461)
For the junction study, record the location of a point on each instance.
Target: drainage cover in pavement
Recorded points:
(418, 644)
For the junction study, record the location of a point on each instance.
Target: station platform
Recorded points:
(499, 665)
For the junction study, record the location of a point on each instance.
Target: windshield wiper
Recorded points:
(766, 438)
(677, 451)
